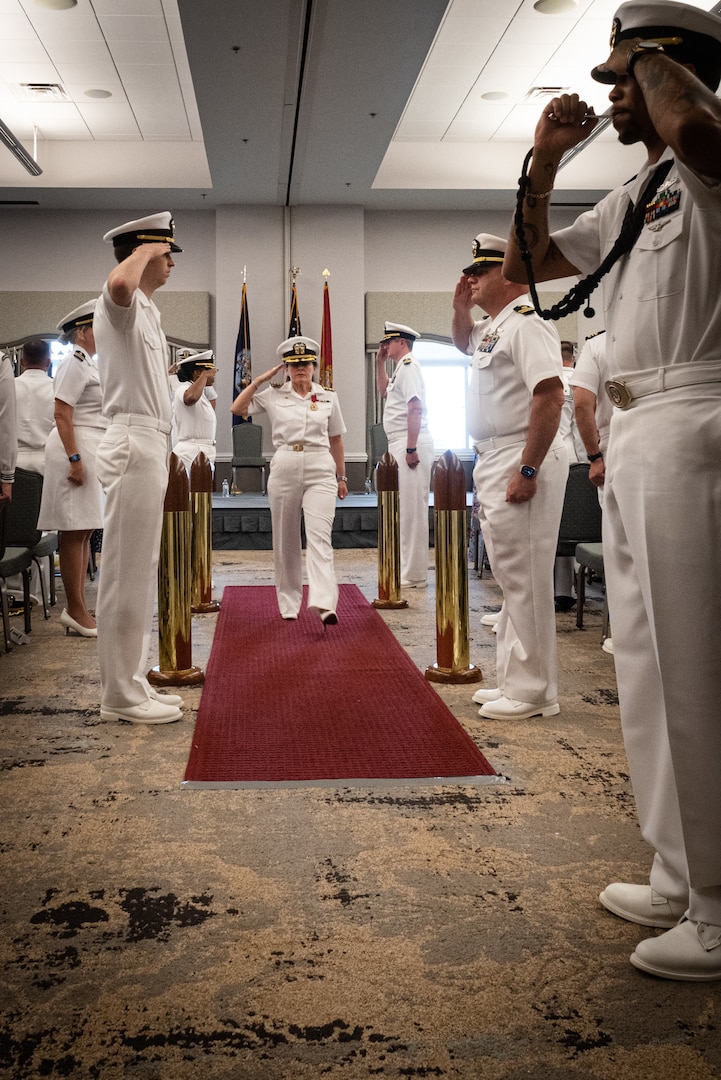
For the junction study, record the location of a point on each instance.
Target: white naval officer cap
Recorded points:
(488, 251)
(298, 350)
(79, 316)
(188, 364)
(699, 33)
(397, 330)
(154, 229)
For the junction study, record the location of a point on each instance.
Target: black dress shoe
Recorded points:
(564, 603)
(328, 618)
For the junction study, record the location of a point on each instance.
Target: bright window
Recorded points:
(446, 373)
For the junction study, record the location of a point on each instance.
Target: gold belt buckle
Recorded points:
(297, 446)
(619, 393)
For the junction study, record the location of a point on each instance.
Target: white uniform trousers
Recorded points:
(521, 539)
(414, 486)
(132, 466)
(303, 480)
(662, 553)
(188, 449)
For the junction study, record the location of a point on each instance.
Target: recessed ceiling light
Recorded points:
(494, 95)
(97, 93)
(57, 5)
(555, 7)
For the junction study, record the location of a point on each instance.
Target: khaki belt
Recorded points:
(499, 440)
(139, 420)
(299, 447)
(624, 391)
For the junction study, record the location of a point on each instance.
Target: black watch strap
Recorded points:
(595, 457)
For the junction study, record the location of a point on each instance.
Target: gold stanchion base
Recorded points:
(205, 609)
(193, 676)
(389, 604)
(462, 675)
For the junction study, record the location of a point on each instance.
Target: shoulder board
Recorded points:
(408, 360)
(328, 390)
(589, 336)
(524, 309)
(79, 356)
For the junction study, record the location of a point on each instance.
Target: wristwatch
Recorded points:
(410, 449)
(595, 457)
(73, 458)
(528, 471)
(657, 45)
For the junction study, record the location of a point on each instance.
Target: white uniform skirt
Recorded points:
(67, 507)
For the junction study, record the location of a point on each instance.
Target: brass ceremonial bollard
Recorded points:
(174, 617)
(389, 546)
(201, 544)
(451, 549)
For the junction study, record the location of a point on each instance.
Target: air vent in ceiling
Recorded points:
(43, 92)
(545, 93)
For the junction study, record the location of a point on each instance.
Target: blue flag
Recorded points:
(294, 329)
(242, 373)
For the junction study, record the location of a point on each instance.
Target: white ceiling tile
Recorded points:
(22, 51)
(468, 31)
(130, 7)
(14, 73)
(138, 30)
(157, 53)
(17, 26)
(155, 120)
(481, 125)
(68, 25)
(93, 73)
(58, 121)
(105, 119)
(77, 93)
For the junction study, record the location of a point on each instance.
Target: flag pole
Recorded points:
(326, 339)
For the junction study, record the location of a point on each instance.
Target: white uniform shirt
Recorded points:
(132, 357)
(590, 373)
(195, 422)
(512, 354)
(405, 384)
(35, 403)
(294, 419)
(77, 383)
(662, 303)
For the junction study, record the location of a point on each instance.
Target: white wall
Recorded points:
(375, 251)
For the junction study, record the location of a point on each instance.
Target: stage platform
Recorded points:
(242, 522)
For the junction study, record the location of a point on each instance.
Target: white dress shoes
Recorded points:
(485, 694)
(642, 904)
(691, 952)
(147, 712)
(491, 618)
(77, 628)
(167, 699)
(507, 708)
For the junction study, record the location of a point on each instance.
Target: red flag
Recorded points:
(326, 344)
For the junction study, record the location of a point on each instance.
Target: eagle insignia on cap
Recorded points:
(299, 348)
(476, 249)
(614, 31)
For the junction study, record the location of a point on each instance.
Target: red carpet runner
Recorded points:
(291, 702)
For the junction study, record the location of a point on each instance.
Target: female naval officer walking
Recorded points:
(307, 473)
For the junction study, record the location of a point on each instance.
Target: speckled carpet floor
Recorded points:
(161, 933)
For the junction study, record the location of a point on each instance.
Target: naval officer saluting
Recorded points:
(132, 465)
(307, 473)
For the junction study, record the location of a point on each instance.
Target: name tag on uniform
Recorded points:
(489, 342)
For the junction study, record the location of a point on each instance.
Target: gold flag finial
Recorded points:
(326, 274)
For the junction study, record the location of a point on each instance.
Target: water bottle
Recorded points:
(226, 489)
(368, 485)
